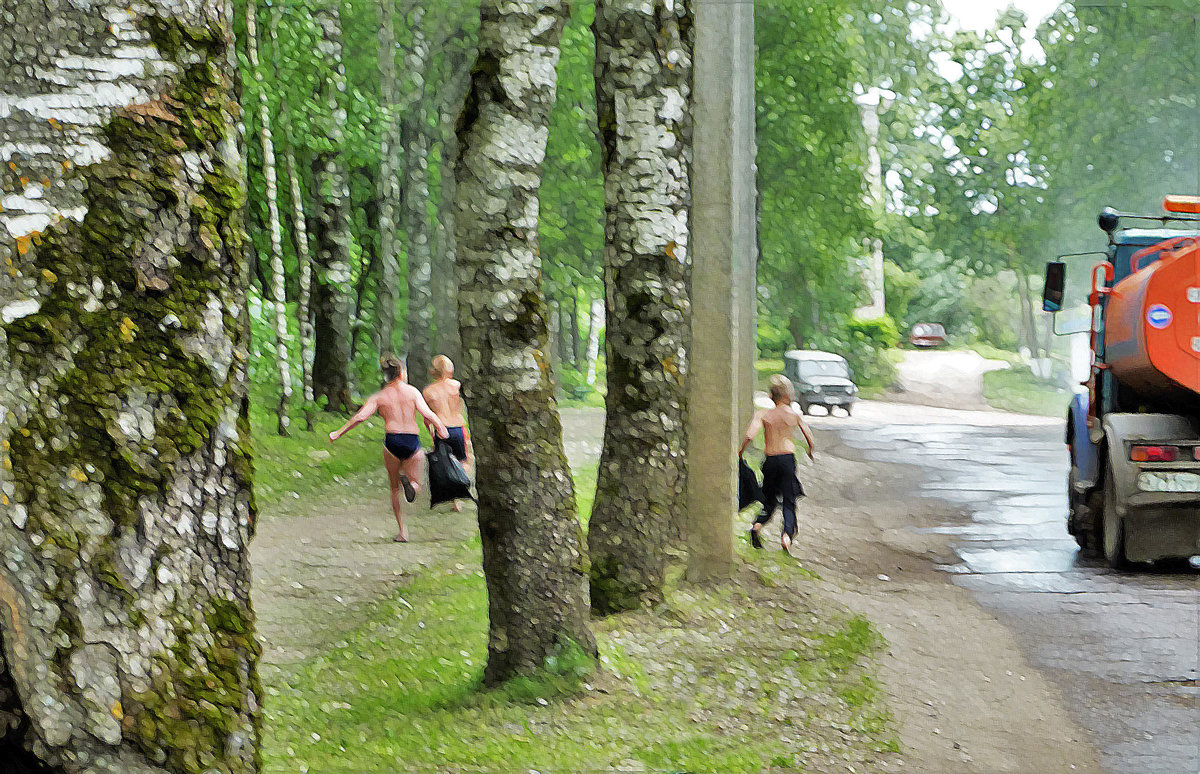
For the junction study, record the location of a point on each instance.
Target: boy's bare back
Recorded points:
(398, 404)
(445, 398)
(779, 426)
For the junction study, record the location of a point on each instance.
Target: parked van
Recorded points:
(820, 379)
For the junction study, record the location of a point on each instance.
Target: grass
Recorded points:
(709, 682)
(301, 466)
(1017, 389)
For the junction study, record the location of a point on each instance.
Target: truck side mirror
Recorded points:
(1052, 290)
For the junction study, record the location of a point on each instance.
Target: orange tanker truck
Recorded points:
(1134, 434)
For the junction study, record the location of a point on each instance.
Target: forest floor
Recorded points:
(856, 655)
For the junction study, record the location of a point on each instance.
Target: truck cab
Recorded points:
(1134, 434)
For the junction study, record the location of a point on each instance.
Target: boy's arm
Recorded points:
(807, 435)
(362, 415)
(751, 432)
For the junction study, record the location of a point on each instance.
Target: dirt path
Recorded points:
(947, 378)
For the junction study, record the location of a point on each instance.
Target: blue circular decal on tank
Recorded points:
(1158, 316)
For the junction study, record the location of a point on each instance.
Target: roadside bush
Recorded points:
(869, 340)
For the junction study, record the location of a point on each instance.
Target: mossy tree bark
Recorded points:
(643, 71)
(331, 297)
(126, 629)
(532, 559)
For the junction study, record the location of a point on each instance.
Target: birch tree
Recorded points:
(389, 184)
(643, 70)
(414, 138)
(278, 287)
(126, 629)
(532, 558)
(331, 289)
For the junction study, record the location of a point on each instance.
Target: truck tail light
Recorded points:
(1154, 453)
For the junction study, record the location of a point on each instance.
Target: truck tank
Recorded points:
(1152, 328)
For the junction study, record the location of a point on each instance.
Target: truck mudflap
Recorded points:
(1158, 502)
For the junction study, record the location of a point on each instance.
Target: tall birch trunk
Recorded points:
(643, 73)
(303, 276)
(595, 323)
(278, 290)
(331, 290)
(389, 181)
(126, 628)
(418, 329)
(445, 286)
(532, 557)
(414, 209)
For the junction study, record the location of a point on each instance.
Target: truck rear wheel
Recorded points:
(1083, 519)
(1113, 538)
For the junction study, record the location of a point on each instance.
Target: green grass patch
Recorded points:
(585, 490)
(297, 468)
(764, 369)
(1017, 389)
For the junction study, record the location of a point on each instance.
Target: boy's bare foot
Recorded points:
(400, 539)
(457, 507)
(410, 491)
(786, 542)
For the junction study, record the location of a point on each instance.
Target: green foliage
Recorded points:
(868, 341)
(1017, 389)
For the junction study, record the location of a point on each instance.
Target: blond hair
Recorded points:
(781, 388)
(442, 367)
(392, 367)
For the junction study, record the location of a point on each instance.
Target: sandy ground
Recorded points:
(964, 696)
(952, 379)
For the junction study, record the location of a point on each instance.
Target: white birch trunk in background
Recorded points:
(388, 184)
(304, 276)
(595, 323)
(278, 288)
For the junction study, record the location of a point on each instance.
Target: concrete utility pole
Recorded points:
(723, 248)
(874, 102)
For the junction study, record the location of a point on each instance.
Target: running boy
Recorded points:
(398, 404)
(444, 396)
(781, 487)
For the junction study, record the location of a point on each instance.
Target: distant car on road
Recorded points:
(927, 335)
(820, 379)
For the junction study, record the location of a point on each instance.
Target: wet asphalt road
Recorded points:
(1124, 648)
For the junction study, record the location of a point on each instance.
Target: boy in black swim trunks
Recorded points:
(398, 403)
(444, 396)
(781, 486)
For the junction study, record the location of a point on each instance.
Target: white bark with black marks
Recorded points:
(532, 558)
(643, 88)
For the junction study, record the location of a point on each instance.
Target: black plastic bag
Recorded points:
(447, 479)
(749, 491)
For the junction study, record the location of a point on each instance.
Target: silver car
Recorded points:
(820, 379)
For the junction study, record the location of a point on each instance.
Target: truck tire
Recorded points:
(1113, 531)
(1083, 518)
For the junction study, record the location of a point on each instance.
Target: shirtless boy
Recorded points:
(398, 404)
(781, 487)
(444, 396)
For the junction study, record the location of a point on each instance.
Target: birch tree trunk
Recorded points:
(643, 72)
(418, 329)
(389, 181)
(445, 287)
(595, 323)
(126, 628)
(331, 291)
(278, 288)
(303, 276)
(532, 558)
